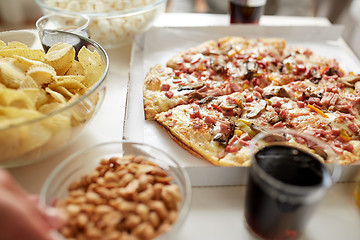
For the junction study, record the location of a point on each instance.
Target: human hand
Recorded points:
(20, 216)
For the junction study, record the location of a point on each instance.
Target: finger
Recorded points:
(21, 220)
(34, 198)
(56, 218)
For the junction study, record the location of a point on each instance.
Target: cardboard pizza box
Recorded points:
(158, 44)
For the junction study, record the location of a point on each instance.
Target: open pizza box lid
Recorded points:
(158, 45)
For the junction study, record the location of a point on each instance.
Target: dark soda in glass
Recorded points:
(246, 11)
(281, 211)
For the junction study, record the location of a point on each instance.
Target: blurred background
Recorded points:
(17, 14)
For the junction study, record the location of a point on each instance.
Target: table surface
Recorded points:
(215, 212)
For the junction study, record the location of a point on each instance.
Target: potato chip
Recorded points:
(42, 98)
(28, 83)
(10, 75)
(60, 57)
(83, 111)
(56, 96)
(75, 69)
(19, 114)
(71, 83)
(42, 73)
(2, 44)
(50, 107)
(65, 92)
(24, 63)
(33, 136)
(16, 98)
(16, 44)
(60, 126)
(33, 54)
(32, 93)
(91, 62)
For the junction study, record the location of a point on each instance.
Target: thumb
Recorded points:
(55, 217)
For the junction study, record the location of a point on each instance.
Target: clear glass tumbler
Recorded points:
(290, 173)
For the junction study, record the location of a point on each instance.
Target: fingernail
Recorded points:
(55, 217)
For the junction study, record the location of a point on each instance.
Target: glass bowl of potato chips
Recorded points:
(46, 99)
(113, 23)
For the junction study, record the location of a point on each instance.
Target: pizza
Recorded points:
(214, 98)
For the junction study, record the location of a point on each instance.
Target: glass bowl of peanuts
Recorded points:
(113, 23)
(46, 99)
(119, 190)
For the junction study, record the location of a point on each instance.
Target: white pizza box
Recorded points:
(158, 44)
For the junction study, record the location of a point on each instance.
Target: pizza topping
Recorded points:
(210, 120)
(344, 135)
(205, 100)
(256, 109)
(165, 87)
(196, 112)
(315, 109)
(349, 80)
(278, 125)
(271, 91)
(329, 99)
(353, 128)
(244, 126)
(192, 86)
(169, 94)
(222, 131)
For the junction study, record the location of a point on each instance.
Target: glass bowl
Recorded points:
(112, 23)
(85, 162)
(28, 141)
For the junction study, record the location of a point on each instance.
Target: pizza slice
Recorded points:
(219, 129)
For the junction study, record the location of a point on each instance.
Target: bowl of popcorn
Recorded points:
(46, 99)
(113, 23)
(119, 190)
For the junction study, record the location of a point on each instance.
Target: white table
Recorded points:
(216, 212)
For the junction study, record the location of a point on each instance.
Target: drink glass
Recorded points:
(286, 182)
(246, 11)
(52, 27)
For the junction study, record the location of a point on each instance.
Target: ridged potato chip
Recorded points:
(16, 44)
(50, 107)
(60, 57)
(28, 83)
(17, 98)
(92, 64)
(65, 92)
(33, 54)
(56, 96)
(18, 113)
(71, 83)
(42, 73)
(24, 63)
(42, 98)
